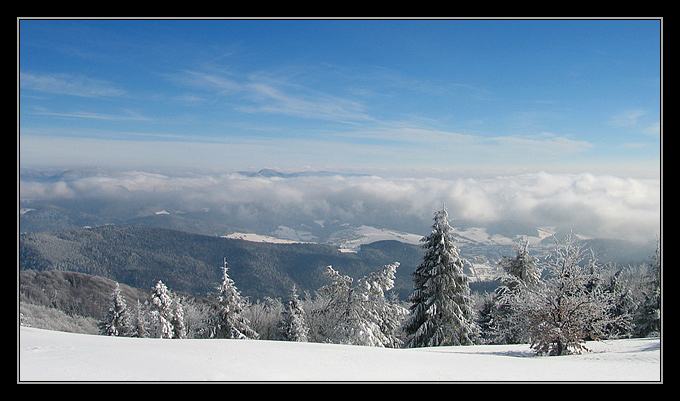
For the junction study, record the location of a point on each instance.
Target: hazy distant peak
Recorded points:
(271, 173)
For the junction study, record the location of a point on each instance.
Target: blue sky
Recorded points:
(382, 96)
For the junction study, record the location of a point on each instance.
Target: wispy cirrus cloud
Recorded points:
(543, 143)
(67, 84)
(639, 120)
(502, 147)
(126, 115)
(626, 118)
(303, 102)
(653, 129)
(265, 93)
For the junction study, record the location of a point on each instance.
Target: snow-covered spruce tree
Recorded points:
(178, 325)
(648, 319)
(292, 326)
(142, 320)
(385, 315)
(573, 306)
(229, 321)
(521, 270)
(441, 311)
(117, 320)
(507, 321)
(161, 312)
(360, 314)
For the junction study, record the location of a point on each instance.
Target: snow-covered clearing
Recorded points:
(261, 238)
(58, 356)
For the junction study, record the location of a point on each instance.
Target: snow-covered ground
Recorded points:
(57, 356)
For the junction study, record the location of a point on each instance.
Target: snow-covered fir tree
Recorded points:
(142, 319)
(441, 311)
(292, 326)
(507, 321)
(117, 320)
(161, 312)
(573, 306)
(648, 319)
(384, 315)
(178, 325)
(229, 320)
(360, 314)
(521, 270)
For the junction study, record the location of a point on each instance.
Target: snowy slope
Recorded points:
(261, 238)
(351, 240)
(57, 356)
(347, 239)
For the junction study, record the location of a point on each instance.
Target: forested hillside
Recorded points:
(140, 256)
(68, 301)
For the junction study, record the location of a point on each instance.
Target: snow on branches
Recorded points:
(229, 321)
(117, 320)
(573, 306)
(441, 313)
(360, 314)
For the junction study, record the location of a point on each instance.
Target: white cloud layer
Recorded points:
(597, 206)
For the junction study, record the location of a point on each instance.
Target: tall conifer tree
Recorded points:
(292, 326)
(230, 321)
(117, 320)
(521, 276)
(441, 313)
(161, 312)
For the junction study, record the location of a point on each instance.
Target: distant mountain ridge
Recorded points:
(269, 173)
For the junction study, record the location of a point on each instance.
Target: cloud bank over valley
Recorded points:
(597, 206)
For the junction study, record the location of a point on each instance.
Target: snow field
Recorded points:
(58, 356)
